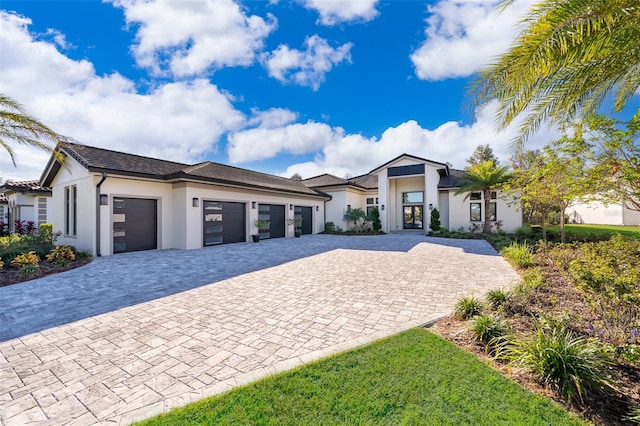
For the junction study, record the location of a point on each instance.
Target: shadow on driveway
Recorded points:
(115, 282)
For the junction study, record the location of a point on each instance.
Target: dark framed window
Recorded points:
(70, 210)
(369, 210)
(493, 211)
(476, 196)
(370, 200)
(494, 195)
(475, 212)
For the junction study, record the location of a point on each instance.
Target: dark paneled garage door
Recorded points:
(224, 223)
(135, 224)
(306, 214)
(275, 215)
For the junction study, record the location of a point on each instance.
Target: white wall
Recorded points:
(631, 217)
(459, 212)
(341, 198)
(443, 208)
(596, 212)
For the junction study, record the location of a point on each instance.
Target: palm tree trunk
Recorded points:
(487, 219)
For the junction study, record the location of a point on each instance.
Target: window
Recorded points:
(412, 197)
(476, 196)
(476, 212)
(70, 210)
(494, 195)
(493, 211)
(370, 200)
(42, 210)
(369, 210)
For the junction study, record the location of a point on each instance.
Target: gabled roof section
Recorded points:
(324, 180)
(452, 180)
(107, 161)
(221, 173)
(366, 181)
(24, 186)
(411, 157)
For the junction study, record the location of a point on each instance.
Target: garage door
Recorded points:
(275, 215)
(306, 214)
(223, 223)
(135, 225)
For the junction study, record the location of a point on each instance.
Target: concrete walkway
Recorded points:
(132, 335)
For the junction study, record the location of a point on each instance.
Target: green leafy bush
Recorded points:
(435, 220)
(329, 227)
(45, 233)
(83, 255)
(524, 231)
(533, 279)
(468, 307)
(496, 298)
(376, 224)
(608, 275)
(569, 363)
(15, 244)
(486, 328)
(27, 262)
(61, 255)
(519, 255)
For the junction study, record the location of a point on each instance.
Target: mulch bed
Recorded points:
(559, 298)
(11, 275)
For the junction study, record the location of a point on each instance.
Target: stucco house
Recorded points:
(26, 201)
(599, 213)
(405, 190)
(111, 202)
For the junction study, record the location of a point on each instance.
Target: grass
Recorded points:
(409, 379)
(580, 229)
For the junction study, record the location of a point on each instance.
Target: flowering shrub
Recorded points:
(27, 262)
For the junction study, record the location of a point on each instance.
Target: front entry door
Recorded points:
(412, 217)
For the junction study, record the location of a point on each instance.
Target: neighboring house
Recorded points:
(598, 213)
(4, 209)
(26, 201)
(110, 202)
(405, 190)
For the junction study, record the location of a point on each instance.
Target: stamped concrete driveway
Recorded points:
(132, 335)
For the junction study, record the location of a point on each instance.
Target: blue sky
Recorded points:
(307, 86)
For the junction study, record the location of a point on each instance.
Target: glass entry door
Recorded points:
(413, 217)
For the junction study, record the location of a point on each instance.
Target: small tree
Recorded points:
(357, 217)
(374, 217)
(297, 177)
(435, 220)
(481, 154)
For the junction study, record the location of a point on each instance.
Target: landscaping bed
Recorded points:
(590, 290)
(11, 275)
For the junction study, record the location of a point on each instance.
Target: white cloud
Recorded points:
(450, 142)
(462, 36)
(273, 117)
(336, 11)
(308, 67)
(193, 37)
(180, 121)
(263, 142)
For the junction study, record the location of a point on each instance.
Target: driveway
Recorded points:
(132, 335)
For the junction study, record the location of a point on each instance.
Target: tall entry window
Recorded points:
(70, 210)
(412, 208)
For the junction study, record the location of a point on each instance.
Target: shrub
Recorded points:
(533, 279)
(61, 255)
(435, 220)
(29, 269)
(525, 231)
(496, 298)
(518, 254)
(567, 362)
(376, 224)
(15, 244)
(467, 307)
(83, 255)
(45, 232)
(486, 328)
(608, 275)
(27, 262)
(329, 227)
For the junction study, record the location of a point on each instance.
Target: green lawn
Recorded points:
(579, 229)
(414, 378)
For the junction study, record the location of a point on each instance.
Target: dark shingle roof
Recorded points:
(324, 180)
(365, 181)
(32, 186)
(99, 159)
(452, 180)
(3, 198)
(104, 160)
(234, 175)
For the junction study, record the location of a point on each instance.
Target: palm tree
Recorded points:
(16, 125)
(570, 57)
(483, 177)
(357, 216)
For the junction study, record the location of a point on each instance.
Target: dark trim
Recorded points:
(104, 177)
(411, 170)
(409, 156)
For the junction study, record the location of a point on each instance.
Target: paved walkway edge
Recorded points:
(221, 387)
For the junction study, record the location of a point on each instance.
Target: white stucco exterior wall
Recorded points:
(597, 213)
(459, 212)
